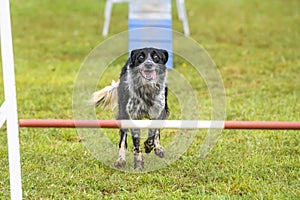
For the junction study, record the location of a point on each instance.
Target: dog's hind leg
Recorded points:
(121, 161)
(153, 142)
(138, 156)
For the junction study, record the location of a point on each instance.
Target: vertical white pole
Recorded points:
(107, 16)
(11, 101)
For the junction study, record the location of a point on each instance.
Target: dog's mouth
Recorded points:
(148, 74)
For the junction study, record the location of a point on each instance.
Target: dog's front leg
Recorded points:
(153, 142)
(138, 156)
(121, 161)
(158, 149)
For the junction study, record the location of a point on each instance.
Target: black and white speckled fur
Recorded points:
(141, 96)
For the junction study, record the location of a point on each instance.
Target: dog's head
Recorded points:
(149, 63)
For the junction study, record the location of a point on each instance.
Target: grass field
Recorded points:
(255, 45)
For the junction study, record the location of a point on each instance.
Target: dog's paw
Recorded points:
(160, 152)
(138, 161)
(148, 146)
(120, 163)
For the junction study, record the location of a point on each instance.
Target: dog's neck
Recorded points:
(144, 89)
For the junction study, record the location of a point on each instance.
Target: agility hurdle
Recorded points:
(165, 124)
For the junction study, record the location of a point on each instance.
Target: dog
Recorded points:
(140, 93)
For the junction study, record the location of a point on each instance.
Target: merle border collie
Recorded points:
(141, 93)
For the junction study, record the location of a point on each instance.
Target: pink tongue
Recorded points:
(150, 74)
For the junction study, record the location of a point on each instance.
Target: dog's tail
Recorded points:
(107, 97)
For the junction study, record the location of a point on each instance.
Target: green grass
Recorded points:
(255, 45)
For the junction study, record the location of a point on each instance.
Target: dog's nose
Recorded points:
(148, 64)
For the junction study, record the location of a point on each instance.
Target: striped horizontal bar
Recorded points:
(172, 124)
(183, 124)
(66, 123)
(270, 125)
(176, 124)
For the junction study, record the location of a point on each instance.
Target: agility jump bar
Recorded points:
(165, 124)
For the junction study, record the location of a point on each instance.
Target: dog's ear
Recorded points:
(133, 55)
(165, 55)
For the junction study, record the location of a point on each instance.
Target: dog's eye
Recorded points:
(155, 58)
(141, 58)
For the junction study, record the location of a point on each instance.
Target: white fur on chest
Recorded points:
(148, 105)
